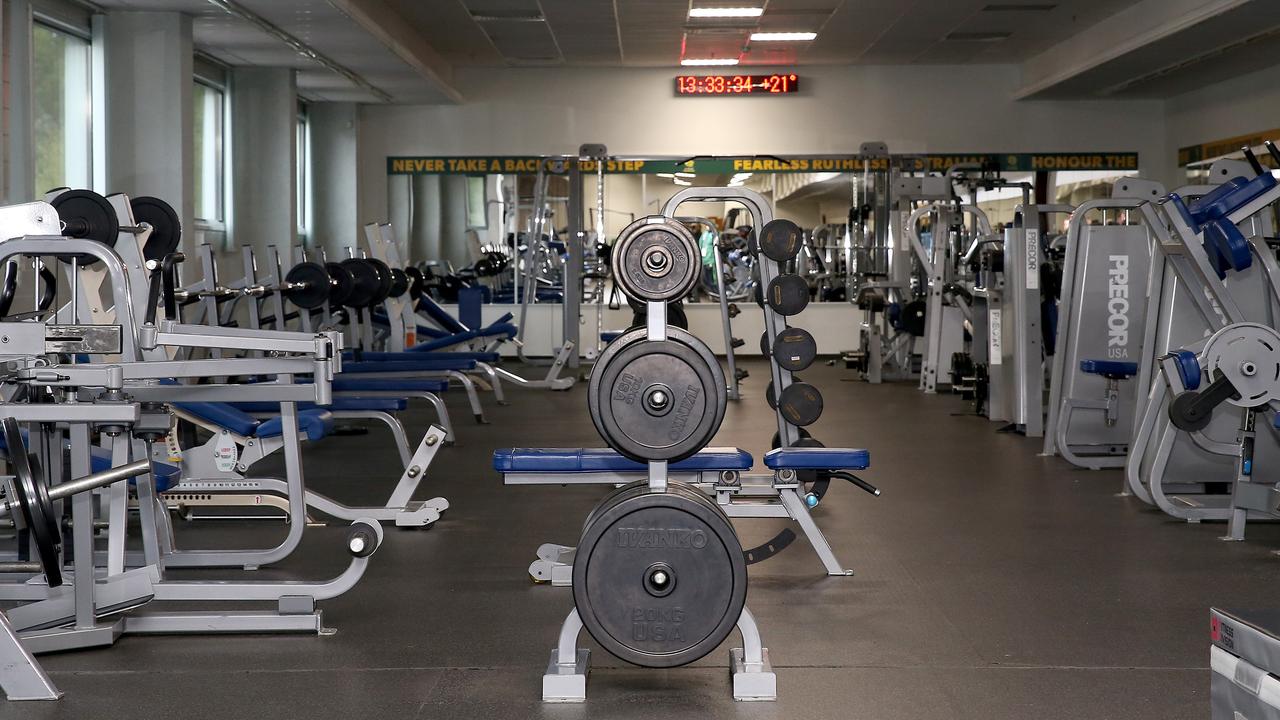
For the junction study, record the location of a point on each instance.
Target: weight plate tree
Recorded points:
(660, 579)
(657, 400)
(656, 260)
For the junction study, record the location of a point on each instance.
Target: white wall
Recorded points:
(1238, 106)
(635, 112)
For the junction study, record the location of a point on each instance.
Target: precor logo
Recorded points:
(1118, 306)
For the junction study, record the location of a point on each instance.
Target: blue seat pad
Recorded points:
(316, 423)
(610, 335)
(583, 460)
(414, 356)
(339, 404)
(357, 384)
(1109, 368)
(803, 458)
(100, 461)
(426, 363)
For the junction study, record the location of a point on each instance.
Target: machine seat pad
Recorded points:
(806, 458)
(316, 423)
(339, 404)
(585, 460)
(1114, 369)
(408, 385)
(224, 415)
(420, 364)
(609, 336)
(412, 356)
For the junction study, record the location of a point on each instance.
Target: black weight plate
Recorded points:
(88, 215)
(635, 539)
(656, 262)
(341, 283)
(780, 240)
(657, 400)
(417, 283)
(800, 404)
(399, 283)
(794, 349)
(765, 348)
(758, 295)
(787, 294)
(34, 503)
(776, 442)
(312, 285)
(365, 282)
(770, 397)
(166, 227)
(385, 281)
(913, 317)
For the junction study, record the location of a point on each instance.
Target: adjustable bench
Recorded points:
(351, 408)
(424, 367)
(721, 472)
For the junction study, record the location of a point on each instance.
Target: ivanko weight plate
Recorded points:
(657, 400)
(656, 259)
(660, 578)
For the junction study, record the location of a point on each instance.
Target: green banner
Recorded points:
(1006, 162)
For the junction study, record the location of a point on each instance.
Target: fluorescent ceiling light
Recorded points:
(783, 36)
(678, 181)
(686, 174)
(666, 175)
(709, 61)
(741, 176)
(726, 12)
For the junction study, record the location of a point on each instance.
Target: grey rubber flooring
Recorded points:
(990, 583)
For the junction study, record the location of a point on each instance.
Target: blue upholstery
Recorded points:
(414, 356)
(316, 423)
(470, 304)
(609, 336)
(426, 363)
(1114, 369)
(100, 461)
(584, 460)
(1214, 208)
(1188, 368)
(440, 315)
(339, 404)
(805, 458)
(342, 384)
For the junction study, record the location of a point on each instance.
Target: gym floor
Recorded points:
(990, 583)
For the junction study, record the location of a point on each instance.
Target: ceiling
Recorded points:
(659, 32)
(406, 51)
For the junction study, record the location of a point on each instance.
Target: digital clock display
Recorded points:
(737, 84)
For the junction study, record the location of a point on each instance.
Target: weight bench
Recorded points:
(240, 440)
(350, 408)
(483, 363)
(420, 368)
(721, 472)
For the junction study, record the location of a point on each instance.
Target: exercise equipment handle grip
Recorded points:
(90, 482)
(859, 482)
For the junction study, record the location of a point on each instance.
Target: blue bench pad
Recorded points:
(1109, 368)
(411, 356)
(408, 385)
(803, 458)
(339, 404)
(423, 364)
(584, 460)
(316, 423)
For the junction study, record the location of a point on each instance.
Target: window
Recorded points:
(208, 111)
(477, 202)
(61, 90)
(303, 179)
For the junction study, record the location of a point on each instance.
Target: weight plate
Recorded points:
(1248, 354)
(780, 240)
(800, 404)
(765, 349)
(309, 285)
(385, 281)
(770, 397)
(776, 442)
(787, 294)
(341, 284)
(794, 349)
(660, 579)
(86, 214)
(365, 282)
(657, 400)
(33, 502)
(399, 283)
(417, 283)
(166, 227)
(656, 261)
